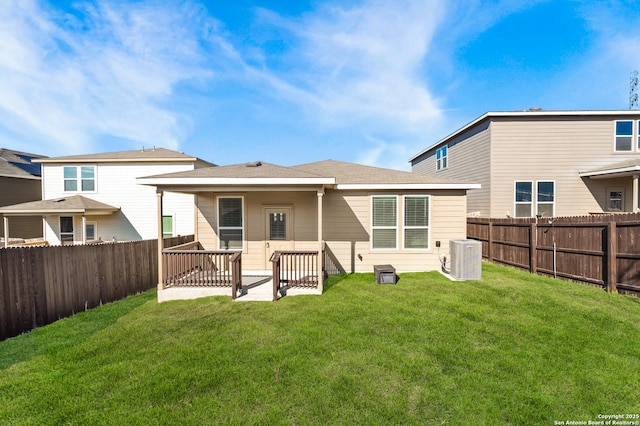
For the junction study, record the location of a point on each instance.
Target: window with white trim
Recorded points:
(231, 223)
(545, 198)
(79, 178)
(66, 230)
(441, 157)
(91, 231)
(416, 222)
(523, 198)
(384, 222)
(167, 227)
(615, 202)
(624, 136)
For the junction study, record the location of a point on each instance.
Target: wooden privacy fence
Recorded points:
(39, 285)
(601, 250)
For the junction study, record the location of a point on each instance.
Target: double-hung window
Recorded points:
(416, 222)
(624, 136)
(230, 223)
(539, 198)
(79, 178)
(524, 198)
(384, 222)
(545, 198)
(441, 157)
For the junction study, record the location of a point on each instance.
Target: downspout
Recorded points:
(5, 221)
(320, 241)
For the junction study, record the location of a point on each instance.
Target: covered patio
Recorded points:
(258, 233)
(623, 171)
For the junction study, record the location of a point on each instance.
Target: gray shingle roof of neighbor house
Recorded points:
(533, 113)
(72, 204)
(19, 164)
(330, 172)
(134, 156)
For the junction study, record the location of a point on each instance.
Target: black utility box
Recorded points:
(385, 274)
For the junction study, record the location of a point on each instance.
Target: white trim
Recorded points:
(79, 179)
(405, 227)
(516, 203)
(115, 160)
(633, 136)
(235, 181)
(553, 203)
(406, 186)
(629, 169)
(396, 227)
(244, 218)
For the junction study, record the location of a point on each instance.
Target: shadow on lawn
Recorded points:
(67, 332)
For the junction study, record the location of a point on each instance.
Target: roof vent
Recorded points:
(254, 164)
(535, 109)
(59, 200)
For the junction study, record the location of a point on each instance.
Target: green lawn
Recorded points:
(510, 349)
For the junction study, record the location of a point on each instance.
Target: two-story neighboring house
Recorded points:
(545, 163)
(20, 182)
(96, 197)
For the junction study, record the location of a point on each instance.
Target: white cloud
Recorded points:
(107, 70)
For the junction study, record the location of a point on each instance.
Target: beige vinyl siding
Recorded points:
(347, 228)
(552, 149)
(468, 159)
(304, 211)
(346, 224)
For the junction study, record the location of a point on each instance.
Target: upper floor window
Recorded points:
(79, 178)
(624, 136)
(441, 157)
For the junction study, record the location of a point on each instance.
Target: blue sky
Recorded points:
(372, 82)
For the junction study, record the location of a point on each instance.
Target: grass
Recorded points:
(510, 349)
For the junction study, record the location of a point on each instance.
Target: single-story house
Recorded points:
(327, 216)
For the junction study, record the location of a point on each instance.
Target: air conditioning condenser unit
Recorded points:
(466, 259)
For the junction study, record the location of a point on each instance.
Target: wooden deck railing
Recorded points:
(188, 265)
(295, 269)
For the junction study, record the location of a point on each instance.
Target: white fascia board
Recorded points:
(234, 181)
(604, 173)
(31, 177)
(115, 160)
(400, 187)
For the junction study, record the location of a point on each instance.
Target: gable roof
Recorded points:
(533, 114)
(133, 156)
(358, 176)
(18, 164)
(338, 174)
(75, 204)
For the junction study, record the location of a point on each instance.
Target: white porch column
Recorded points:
(320, 242)
(5, 221)
(160, 240)
(636, 189)
(84, 230)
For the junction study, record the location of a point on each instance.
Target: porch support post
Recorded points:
(320, 242)
(636, 189)
(160, 241)
(84, 229)
(5, 221)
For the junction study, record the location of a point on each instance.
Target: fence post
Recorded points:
(489, 251)
(533, 248)
(612, 258)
